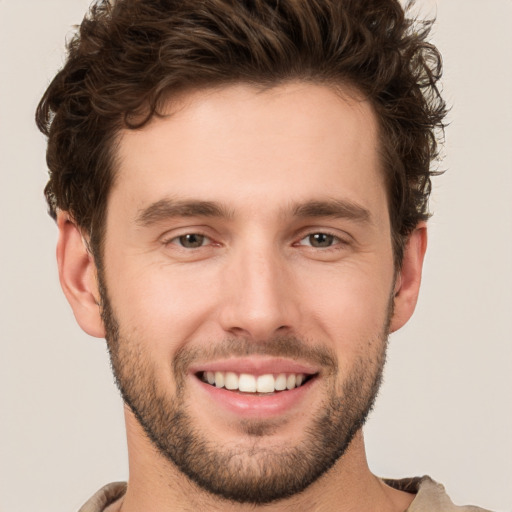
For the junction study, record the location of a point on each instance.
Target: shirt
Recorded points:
(430, 497)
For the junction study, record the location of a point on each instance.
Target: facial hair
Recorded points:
(251, 472)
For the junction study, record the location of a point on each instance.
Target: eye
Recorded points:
(320, 240)
(190, 241)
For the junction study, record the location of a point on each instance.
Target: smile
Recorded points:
(256, 387)
(249, 383)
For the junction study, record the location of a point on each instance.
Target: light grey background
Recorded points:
(445, 408)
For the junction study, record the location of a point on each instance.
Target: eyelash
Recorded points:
(335, 243)
(169, 241)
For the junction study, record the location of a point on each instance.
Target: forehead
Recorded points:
(239, 144)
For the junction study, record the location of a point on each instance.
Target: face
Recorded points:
(247, 283)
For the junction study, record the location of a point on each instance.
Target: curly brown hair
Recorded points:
(130, 56)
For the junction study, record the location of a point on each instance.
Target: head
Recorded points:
(193, 150)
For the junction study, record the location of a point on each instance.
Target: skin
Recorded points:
(257, 275)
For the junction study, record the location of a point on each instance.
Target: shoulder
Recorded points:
(104, 498)
(430, 496)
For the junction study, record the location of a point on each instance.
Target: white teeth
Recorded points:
(265, 384)
(280, 382)
(247, 383)
(219, 379)
(231, 380)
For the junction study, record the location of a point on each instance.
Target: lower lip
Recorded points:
(261, 406)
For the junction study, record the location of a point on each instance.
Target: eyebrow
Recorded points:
(169, 208)
(336, 208)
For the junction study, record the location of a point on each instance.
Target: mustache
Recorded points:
(290, 347)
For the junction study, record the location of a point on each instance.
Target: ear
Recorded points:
(78, 277)
(407, 286)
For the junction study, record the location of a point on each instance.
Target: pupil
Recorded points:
(191, 241)
(321, 240)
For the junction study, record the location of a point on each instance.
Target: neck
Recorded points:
(156, 485)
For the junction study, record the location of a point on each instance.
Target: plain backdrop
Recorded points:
(445, 408)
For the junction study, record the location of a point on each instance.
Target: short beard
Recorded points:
(248, 472)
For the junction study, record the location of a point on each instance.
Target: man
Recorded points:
(241, 192)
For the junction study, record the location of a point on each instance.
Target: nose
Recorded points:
(259, 298)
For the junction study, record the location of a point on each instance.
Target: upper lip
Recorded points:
(255, 365)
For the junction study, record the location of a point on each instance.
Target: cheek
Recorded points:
(162, 305)
(350, 306)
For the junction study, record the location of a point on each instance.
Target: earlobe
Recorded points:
(408, 280)
(77, 274)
